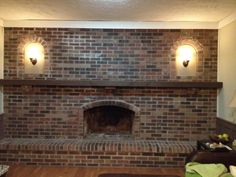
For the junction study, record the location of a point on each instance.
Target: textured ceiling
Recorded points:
(118, 10)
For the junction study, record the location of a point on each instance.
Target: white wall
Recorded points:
(227, 70)
(1, 66)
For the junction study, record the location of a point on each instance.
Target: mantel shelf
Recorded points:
(105, 83)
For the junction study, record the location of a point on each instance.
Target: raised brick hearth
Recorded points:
(49, 125)
(131, 153)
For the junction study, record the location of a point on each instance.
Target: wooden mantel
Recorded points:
(105, 83)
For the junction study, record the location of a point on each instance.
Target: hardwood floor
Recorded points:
(42, 171)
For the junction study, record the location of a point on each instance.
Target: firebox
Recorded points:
(109, 120)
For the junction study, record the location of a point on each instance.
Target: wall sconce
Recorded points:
(34, 52)
(185, 53)
(186, 60)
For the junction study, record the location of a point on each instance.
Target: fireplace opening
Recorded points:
(110, 120)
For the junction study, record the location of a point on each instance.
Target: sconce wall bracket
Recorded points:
(33, 61)
(185, 63)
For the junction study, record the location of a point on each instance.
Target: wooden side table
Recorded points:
(204, 155)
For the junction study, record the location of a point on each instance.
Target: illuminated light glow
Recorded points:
(34, 51)
(186, 60)
(34, 58)
(185, 54)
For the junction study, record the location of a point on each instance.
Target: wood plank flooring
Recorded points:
(42, 171)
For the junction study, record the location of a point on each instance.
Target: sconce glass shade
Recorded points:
(185, 54)
(34, 58)
(233, 101)
(34, 52)
(186, 60)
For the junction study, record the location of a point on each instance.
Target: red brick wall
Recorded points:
(95, 54)
(53, 112)
(110, 54)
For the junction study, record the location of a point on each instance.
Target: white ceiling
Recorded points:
(118, 10)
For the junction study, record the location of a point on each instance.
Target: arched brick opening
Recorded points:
(21, 65)
(199, 62)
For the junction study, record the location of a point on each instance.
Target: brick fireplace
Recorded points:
(137, 126)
